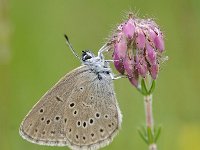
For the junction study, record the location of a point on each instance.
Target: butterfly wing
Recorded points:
(80, 111)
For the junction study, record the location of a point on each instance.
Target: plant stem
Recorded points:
(153, 146)
(148, 109)
(149, 121)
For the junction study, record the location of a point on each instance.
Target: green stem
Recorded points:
(149, 121)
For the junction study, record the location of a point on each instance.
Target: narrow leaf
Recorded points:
(150, 135)
(157, 134)
(143, 87)
(143, 136)
(153, 85)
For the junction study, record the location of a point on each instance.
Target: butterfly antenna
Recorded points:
(70, 47)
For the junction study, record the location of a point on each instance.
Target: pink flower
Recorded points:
(137, 43)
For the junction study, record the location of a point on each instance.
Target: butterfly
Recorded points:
(80, 111)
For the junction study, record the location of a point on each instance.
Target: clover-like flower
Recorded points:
(138, 46)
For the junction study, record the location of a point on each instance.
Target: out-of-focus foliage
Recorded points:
(33, 56)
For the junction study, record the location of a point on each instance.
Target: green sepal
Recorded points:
(153, 85)
(144, 90)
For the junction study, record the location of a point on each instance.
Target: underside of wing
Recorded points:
(40, 120)
(80, 111)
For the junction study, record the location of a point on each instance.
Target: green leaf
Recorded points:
(153, 85)
(143, 135)
(157, 133)
(150, 135)
(143, 87)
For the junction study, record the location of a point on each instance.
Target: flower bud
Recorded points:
(134, 80)
(152, 34)
(141, 66)
(159, 42)
(154, 71)
(139, 44)
(128, 65)
(120, 47)
(118, 63)
(129, 28)
(140, 39)
(150, 53)
(131, 72)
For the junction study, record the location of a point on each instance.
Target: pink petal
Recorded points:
(152, 34)
(150, 53)
(141, 66)
(120, 47)
(159, 42)
(118, 64)
(140, 39)
(128, 65)
(154, 71)
(131, 72)
(134, 81)
(129, 28)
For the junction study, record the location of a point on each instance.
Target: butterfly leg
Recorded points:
(111, 60)
(105, 47)
(119, 76)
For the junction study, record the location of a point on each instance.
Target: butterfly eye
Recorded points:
(86, 55)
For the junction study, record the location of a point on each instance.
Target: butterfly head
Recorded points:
(96, 63)
(86, 55)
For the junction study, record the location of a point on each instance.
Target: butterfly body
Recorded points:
(80, 111)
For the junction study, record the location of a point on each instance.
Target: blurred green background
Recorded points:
(33, 56)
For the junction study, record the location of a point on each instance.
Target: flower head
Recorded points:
(138, 45)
